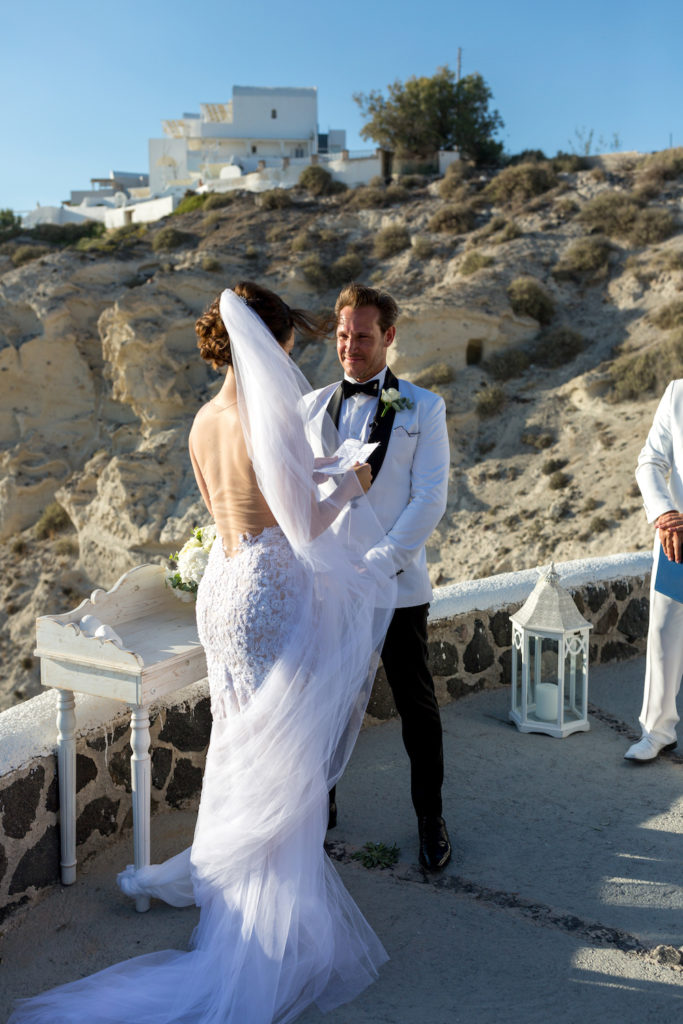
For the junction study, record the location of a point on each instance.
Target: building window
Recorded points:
(253, 149)
(273, 114)
(299, 151)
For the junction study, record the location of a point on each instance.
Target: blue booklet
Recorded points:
(669, 578)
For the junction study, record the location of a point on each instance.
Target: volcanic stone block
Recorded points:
(621, 589)
(381, 704)
(458, 687)
(596, 597)
(478, 654)
(607, 620)
(39, 866)
(100, 743)
(501, 628)
(635, 619)
(119, 768)
(188, 730)
(19, 803)
(99, 815)
(185, 784)
(86, 771)
(443, 658)
(162, 759)
(9, 908)
(52, 796)
(616, 651)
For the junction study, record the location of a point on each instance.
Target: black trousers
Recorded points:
(404, 656)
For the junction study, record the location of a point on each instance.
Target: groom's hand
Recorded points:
(364, 475)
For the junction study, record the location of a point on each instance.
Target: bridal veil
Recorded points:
(277, 928)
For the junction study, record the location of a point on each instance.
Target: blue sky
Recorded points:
(85, 85)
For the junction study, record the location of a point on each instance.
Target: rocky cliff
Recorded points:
(542, 303)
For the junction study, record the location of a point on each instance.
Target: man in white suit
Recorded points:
(660, 478)
(408, 493)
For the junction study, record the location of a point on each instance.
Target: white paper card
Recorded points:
(347, 454)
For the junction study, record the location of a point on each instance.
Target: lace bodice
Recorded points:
(246, 605)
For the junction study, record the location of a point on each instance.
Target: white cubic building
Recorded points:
(259, 127)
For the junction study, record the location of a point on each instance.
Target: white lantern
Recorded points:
(550, 662)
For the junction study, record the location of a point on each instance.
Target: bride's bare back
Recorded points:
(224, 471)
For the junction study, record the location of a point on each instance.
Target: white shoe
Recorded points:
(647, 749)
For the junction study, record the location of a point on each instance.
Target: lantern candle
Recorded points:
(546, 702)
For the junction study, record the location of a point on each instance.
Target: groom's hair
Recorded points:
(359, 295)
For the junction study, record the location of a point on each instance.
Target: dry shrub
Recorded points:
(558, 480)
(507, 363)
(368, 197)
(552, 466)
(528, 297)
(489, 401)
(521, 182)
(54, 520)
(652, 226)
(211, 265)
(669, 316)
(536, 440)
(316, 180)
(473, 262)
(274, 199)
(314, 271)
(557, 347)
(657, 169)
(586, 258)
(170, 238)
(569, 163)
(611, 213)
(390, 241)
(634, 376)
(423, 247)
(346, 268)
(26, 253)
(432, 376)
(457, 218)
(218, 200)
(303, 241)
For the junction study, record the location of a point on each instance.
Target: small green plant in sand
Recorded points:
(377, 855)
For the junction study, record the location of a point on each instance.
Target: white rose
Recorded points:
(192, 563)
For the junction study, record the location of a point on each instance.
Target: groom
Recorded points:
(408, 494)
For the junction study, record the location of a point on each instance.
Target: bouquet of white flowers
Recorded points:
(189, 563)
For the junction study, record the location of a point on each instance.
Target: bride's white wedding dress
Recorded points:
(291, 623)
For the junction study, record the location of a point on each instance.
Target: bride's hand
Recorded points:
(364, 475)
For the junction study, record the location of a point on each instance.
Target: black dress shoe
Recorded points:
(435, 846)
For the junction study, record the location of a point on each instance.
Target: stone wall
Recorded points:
(469, 651)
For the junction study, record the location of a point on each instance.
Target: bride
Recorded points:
(292, 621)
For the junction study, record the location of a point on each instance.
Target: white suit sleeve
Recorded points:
(655, 462)
(428, 494)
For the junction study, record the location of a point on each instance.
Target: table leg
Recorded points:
(141, 782)
(66, 768)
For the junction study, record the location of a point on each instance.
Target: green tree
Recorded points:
(10, 224)
(423, 115)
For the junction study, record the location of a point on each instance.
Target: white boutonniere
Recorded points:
(391, 398)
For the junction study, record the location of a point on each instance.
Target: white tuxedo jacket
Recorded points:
(662, 456)
(409, 491)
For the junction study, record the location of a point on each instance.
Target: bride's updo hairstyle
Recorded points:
(213, 339)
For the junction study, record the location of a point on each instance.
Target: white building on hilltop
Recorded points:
(257, 128)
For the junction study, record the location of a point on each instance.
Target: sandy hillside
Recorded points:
(550, 383)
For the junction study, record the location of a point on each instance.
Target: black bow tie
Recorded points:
(349, 388)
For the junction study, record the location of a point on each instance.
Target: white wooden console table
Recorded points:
(154, 651)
